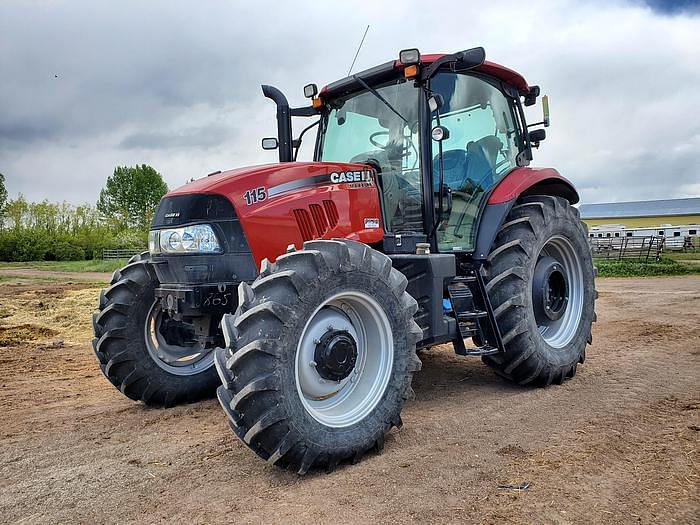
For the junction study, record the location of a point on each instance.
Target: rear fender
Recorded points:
(518, 183)
(533, 181)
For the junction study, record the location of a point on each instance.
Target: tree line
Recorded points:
(120, 219)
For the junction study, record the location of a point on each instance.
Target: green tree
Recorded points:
(3, 199)
(17, 212)
(131, 195)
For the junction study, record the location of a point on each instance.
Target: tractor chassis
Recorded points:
(466, 312)
(451, 307)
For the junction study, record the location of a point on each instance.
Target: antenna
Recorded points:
(358, 50)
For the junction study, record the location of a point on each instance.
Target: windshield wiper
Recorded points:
(376, 94)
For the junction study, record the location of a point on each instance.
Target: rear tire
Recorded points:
(120, 343)
(540, 281)
(273, 389)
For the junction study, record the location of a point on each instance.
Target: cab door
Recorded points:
(483, 143)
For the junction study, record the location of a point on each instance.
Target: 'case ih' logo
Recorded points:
(350, 176)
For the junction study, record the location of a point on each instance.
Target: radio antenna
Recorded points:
(358, 50)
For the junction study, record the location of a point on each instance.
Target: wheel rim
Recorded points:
(181, 360)
(558, 292)
(360, 381)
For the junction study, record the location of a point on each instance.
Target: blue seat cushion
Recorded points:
(459, 167)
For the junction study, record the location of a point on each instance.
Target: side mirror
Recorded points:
(545, 111)
(269, 143)
(435, 102)
(537, 136)
(310, 90)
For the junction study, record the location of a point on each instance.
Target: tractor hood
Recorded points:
(277, 179)
(293, 202)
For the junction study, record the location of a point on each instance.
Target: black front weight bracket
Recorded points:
(197, 300)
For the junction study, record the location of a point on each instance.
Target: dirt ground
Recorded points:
(620, 443)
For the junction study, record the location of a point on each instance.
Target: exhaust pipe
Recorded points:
(284, 122)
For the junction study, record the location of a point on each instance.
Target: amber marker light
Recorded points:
(411, 71)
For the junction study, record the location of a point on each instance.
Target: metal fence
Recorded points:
(119, 254)
(618, 248)
(691, 243)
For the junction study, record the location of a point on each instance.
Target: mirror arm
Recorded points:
(297, 142)
(307, 111)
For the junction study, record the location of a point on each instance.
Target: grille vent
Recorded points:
(319, 217)
(304, 222)
(317, 220)
(331, 212)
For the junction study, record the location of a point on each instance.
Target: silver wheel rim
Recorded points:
(348, 401)
(175, 359)
(559, 333)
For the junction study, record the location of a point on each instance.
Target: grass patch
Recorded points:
(683, 256)
(17, 279)
(666, 266)
(94, 265)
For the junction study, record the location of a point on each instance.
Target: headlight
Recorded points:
(198, 238)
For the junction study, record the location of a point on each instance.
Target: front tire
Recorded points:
(322, 350)
(130, 334)
(540, 281)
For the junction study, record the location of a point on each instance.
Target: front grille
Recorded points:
(195, 207)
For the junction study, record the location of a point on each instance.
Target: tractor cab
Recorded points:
(440, 132)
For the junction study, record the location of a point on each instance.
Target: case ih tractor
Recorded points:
(303, 289)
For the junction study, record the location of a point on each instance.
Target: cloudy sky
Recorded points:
(86, 86)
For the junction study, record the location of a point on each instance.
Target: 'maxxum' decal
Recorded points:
(335, 177)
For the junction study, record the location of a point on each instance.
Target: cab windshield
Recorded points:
(363, 128)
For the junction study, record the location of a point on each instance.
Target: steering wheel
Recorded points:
(372, 139)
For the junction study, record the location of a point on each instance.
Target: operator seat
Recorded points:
(491, 145)
(462, 167)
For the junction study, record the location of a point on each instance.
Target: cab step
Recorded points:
(478, 351)
(471, 316)
(471, 310)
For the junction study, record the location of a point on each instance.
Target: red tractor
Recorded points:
(303, 289)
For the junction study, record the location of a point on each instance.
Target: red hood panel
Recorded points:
(270, 175)
(289, 203)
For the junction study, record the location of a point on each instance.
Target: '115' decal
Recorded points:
(255, 195)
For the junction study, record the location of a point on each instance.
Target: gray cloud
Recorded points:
(200, 137)
(87, 86)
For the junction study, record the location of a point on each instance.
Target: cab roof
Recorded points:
(388, 69)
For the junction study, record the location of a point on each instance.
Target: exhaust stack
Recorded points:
(284, 122)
